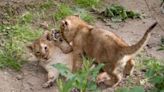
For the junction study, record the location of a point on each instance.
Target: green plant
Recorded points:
(162, 44)
(47, 4)
(16, 36)
(26, 17)
(83, 80)
(87, 3)
(63, 10)
(85, 15)
(132, 89)
(118, 13)
(155, 74)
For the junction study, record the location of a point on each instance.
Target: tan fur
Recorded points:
(49, 54)
(105, 46)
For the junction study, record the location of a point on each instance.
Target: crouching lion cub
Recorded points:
(105, 46)
(48, 53)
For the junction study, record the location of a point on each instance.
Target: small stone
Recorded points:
(44, 25)
(19, 77)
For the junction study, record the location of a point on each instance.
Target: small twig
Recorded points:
(53, 20)
(151, 13)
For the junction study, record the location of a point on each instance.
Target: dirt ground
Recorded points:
(31, 77)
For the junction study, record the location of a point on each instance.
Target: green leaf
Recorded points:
(95, 71)
(64, 71)
(137, 89)
(124, 89)
(161, 48)
(157, 79)
(162, 90)
(150, 73)
(92, 86)
(118, 13)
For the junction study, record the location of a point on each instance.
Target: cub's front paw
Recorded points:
(102, 77)
(48, 84)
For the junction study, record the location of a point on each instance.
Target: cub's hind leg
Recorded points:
(129, 67)
(113, 78)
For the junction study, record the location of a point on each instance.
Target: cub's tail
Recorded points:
(137, 47)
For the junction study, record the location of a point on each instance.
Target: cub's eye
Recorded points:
(45, 48)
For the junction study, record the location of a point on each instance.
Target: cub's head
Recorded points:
(42, 47)
(70, 25)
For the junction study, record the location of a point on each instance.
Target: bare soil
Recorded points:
(31, 77)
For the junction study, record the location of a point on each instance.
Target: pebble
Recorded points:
(19, 77)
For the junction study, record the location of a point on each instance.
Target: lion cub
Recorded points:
(48, 53)
(105, 46)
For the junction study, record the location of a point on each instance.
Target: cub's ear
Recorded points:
(90, 28)
(47, 35)
(30, 47)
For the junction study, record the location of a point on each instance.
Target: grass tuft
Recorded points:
(85, 15)
(87, 3)
(118, 13)
(47, 4)
(63, 11)
(161, 45)
(26, 17)
(17, 35)
(83, 80)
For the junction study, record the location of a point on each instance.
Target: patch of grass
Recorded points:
(87, 3)
(84, 80)
(118, 13)
(17, 35)
(85, 15)
(132, 89)
(155, 74)
(63, 11)
(162, 44)
(26, 17)
(47, 4)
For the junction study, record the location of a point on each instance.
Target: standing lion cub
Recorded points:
(105, 46)
(48, 53)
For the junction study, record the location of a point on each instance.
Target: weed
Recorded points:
(87, 3)
(85, 15)
(132, 89)
(63, 10)
(46, 5)
(17, 35)
(26, 17)
(155, 74)
(83, 80)
(118, 13)
(162, 44)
